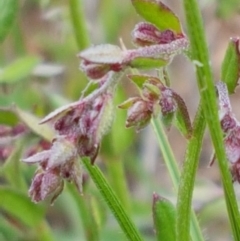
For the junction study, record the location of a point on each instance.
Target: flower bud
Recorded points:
(145, 34)
(94, 70)
(44, 184)
(152, 89)
(139, 114)
(167, 102)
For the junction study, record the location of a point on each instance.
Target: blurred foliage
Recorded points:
(38, 73)
(226, 8)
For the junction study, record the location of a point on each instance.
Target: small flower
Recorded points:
(145, 34)
(93, 70)
(59, 163)
(167, 101)
(45, 184)
(231, 130)
(80, 127)
(98, 70)
(139, 112)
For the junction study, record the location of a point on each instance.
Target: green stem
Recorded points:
(113, 203)
(166, 151)
(189, 170)
(200, 58)
(173, 170)
(79, 26)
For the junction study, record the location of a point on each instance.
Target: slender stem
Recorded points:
(79, 24)
(167, 153)
(104, 188)
(113, 202)
(189, 170)
(200, 58)
(174, 172)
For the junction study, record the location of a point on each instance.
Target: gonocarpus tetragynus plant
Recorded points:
(77, 128)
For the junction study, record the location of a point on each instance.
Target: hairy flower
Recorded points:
(79, 127)
(167, 101)
(98, 70)
(231, 129)
(145, 34)
(139, 112)
(56, 164)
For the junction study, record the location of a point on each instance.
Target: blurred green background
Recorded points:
(39, 71)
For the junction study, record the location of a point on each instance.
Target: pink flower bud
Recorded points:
(139, 114)
(167, 102)
(232, 147)
(228, 123)
(145, 34)
(93, 70)
(44, 184)
(56, 164)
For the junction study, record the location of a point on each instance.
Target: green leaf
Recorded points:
(11, 169)
(226, 9)
(158, 14)
(32, 122)
(138, 79)
(153, 89)
(147, 63)
(183, 121)
(20, 206)
(7, 16)
(103, 54)
(8, 231)
(7, 117)
(19, 69)
(112, 201)
(127, 103)
(230, 71)
(164, 216)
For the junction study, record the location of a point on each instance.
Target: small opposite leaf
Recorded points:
(7, 117)
(183, 121)
(20, 206)
(11, 169)
(139, 80)
(147, 63)
(7, 16)
(103, 54)
(152, 88)
(158, 14)
(19, 69)
(164, 217)
(32, 122)
(230, 71)
(128, 103)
